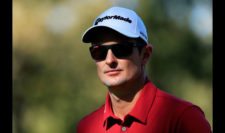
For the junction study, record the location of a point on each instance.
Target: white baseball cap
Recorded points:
(119, 19)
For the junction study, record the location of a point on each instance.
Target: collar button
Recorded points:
(124, 129)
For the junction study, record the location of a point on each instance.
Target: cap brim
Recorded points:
(92, 33)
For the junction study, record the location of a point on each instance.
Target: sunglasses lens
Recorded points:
(99, 52)
(122, 51)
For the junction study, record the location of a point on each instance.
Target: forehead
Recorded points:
(107, 35)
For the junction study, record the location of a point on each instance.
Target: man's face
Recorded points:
(117, 72)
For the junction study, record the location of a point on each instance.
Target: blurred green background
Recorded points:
(54, 78)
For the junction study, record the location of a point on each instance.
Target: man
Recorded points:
(120, 48)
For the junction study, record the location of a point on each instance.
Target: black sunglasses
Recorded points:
(120, 50)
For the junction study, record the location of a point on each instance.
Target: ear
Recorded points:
(147, 51)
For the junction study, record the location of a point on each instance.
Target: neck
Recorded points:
(124, 98)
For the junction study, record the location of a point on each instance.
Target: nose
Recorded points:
(111, 59)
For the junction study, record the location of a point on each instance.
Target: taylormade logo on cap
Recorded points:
(122, 20)
(112, 17)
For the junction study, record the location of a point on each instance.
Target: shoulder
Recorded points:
(91, 121)
(170, 100)
(192, 120)
(187, 116)
(174, 106)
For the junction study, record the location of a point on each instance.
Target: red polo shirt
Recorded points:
(155, 112)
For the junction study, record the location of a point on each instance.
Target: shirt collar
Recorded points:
(144, 103)
(141, 108)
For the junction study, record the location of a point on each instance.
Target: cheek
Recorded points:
(133, 68)
(100, 66)
(135, 61)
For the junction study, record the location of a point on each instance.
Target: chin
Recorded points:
(114, 82)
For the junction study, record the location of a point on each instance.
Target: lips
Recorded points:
(113, 72)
